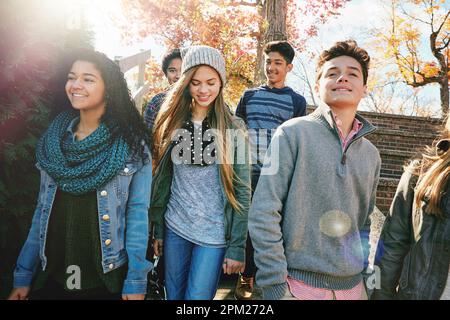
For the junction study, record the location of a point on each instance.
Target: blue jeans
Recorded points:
(192, 271)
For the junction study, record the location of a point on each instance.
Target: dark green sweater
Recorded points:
(73, 239)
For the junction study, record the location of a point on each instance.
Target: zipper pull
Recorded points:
(344, 157)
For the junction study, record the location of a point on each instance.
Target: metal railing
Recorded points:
(136, 60)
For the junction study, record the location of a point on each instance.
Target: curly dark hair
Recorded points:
(121, 115)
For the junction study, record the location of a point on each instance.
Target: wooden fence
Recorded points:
(136, 60)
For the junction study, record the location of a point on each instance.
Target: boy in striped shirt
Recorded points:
(171, 66)
(264, 109)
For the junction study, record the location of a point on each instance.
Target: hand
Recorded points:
(158, 247)
(19, 293)
(133, 296)
(232, 266)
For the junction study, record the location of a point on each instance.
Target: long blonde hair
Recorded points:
(175, 110)
(433, 171)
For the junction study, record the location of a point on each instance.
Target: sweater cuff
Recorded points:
(235, 253)
(158, 232)
(275, 292)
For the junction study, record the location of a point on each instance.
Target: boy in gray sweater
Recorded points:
(317, 189)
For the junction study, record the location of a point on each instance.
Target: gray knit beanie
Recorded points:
(203, 55)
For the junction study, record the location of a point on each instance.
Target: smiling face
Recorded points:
(85, 87)
(205, 86)
(174, 71)
(341, 84)
(276, 69)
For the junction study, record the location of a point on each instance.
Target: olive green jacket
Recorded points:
(236, 223)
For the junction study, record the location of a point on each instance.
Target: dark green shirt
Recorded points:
(73, 239)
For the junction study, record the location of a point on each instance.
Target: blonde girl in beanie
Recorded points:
(201, 189)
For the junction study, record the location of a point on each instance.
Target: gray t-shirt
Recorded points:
(196, 207)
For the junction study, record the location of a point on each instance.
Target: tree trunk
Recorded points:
(272, 28)
(444, 96)
(259, 70)
(438, 53)
(443, 74)
(276, 11)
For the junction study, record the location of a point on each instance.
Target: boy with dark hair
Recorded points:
(305, 221)
(264, 109)
(171, 66)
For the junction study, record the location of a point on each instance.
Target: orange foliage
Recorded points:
(406, 40)
(231, 26)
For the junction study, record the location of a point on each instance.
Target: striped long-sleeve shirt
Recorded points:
(267, 108)
(152, 109)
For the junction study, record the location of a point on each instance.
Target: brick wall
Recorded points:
(399, 139)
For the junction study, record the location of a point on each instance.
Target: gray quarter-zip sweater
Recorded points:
(312, 201)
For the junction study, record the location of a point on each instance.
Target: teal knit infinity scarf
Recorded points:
(80, 166)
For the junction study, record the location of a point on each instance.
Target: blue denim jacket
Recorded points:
(123, 205)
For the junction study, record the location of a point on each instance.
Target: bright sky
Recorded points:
(355, 21)
(107, 34)
(352, 23)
